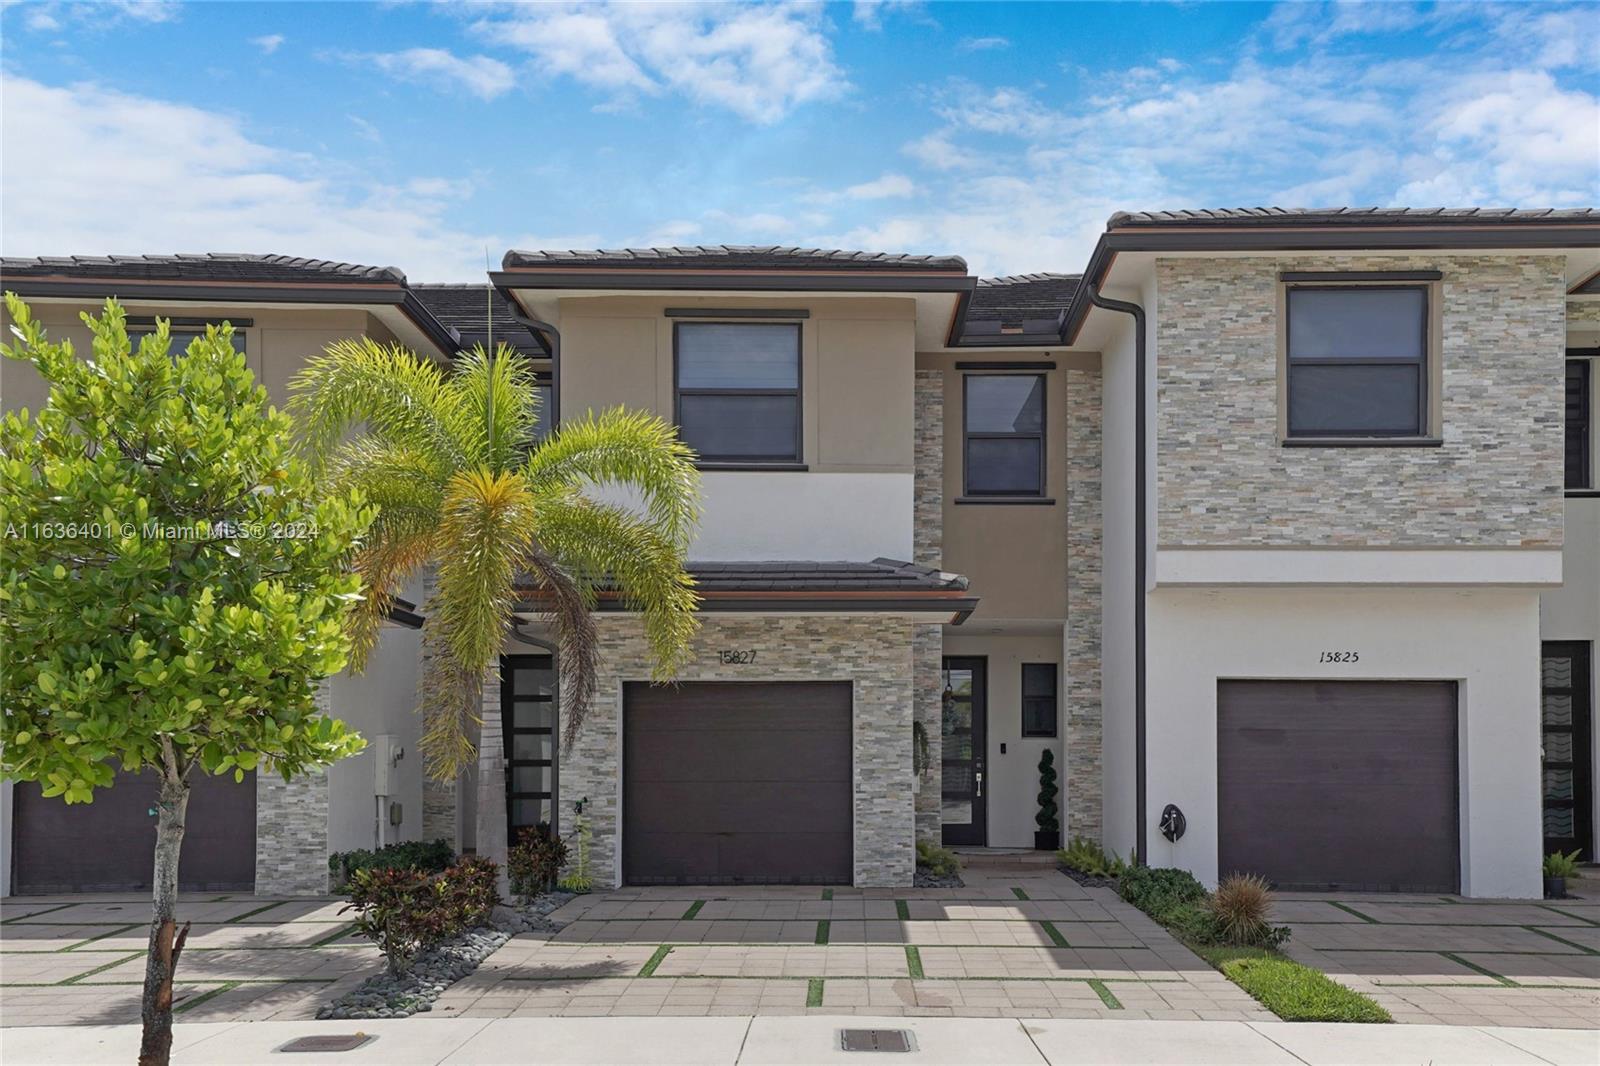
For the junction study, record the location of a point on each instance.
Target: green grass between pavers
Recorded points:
(1105, 995)
(258, 910)
(827, 895)
(35, 914)
(75, 978)
(210, 993)
(1019, 893)
(1054, 934)
(1541, 906)
(902, 910)
(1501, 978)
(1293, 992)
(1561, 940)
(694, 909)
(1351, 910)
(338, 934)
(823, 926)
(914, 963)
(98, 936)
(655, 960)
(814, 992)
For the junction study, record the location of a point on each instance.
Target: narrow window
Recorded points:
(180, 339)
(738, 387)
(543, 389)
(1358, 361)
(1038, 699)
(1580, 424)
(1003, 424)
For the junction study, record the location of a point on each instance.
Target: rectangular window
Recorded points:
(1038, 699)
(181, 339)
(1358, 361)
(1580, 424)
(543, 389)
(738, 386)
(1003, 428)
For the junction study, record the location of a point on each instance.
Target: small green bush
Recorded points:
(405, 911)
(1559, 865)
(1159, 891)
(1046, 817)
(1087, 857)
(428, 856)
(535, 861)
(1293, 992)
(941, 862)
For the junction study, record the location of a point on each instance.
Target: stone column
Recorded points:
(292, 828)
(928, 547)
(1085, 524)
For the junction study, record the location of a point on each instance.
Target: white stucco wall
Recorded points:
(1011, 780)
(383, 699)
(1485, 640)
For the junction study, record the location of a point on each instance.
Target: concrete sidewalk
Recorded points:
(770, 1041)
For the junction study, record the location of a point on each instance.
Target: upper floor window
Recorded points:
(1003, 427)
(1358, 361)
(738, 390)
(1580, 424)
(181, 338)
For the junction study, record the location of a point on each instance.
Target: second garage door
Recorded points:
(1339, 784)
(737, 783)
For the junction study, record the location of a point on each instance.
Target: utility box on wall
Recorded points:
(387, 751)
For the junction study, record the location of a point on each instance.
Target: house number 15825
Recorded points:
(1340, 657)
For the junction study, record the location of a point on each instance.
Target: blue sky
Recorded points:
(417, 134)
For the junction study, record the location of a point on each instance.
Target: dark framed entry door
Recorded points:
(528, 718)
(963, 731)
(1566, 722)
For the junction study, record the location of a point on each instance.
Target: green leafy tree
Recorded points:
(449, 458)
(172, 591)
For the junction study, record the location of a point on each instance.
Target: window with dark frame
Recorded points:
(1358, 361)
(1003, 434)
(1039, 699)
(529, 721)
(738, 390)
(543, 387)
(181, 339)
(1580, 424)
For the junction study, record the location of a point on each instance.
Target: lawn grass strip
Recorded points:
(1104, 993)
(694, 909)
(210, 993)
(1369, 919)
(827, 895)
(338, 934)
(1291, 990)
(99, 936)
(914, 963)
(902, 910)
(813, 991)
(75, 978)
(1054, 934)
(1502, 978)
(1562, 940)
(1020, 894)
(1566, 914)
(654, 961)
(823, 926)
(258, 910)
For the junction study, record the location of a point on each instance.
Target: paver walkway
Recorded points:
(1445, 959)
(1022, 942)
(79, 959)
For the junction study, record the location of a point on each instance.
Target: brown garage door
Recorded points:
(736, 782)
(1339, 784)
(109, 845)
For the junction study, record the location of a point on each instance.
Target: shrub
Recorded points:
(1046, 816)
(941, 862)
(1559, 865)
(1160, 891)
(427, 856)
(405, 911)
(1239, 907)
(1293, 992)
(1087, 857)
(535, 861)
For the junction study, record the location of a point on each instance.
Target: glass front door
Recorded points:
(1566, 720)
(962, 730)
(528, 714)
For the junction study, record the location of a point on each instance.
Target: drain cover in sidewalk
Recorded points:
(876, 1040)
(331, 1042)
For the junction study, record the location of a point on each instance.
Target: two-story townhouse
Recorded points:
(1332, 622)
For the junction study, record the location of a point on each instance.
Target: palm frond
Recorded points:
(628, 448)
(451, 696)
(386, 565)
(568, 607)
(401, 397)
(504, 386)
(485, 532)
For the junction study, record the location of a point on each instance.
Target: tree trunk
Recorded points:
(166, 939)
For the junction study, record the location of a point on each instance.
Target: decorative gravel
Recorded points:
(1088, 880)
(434, 970)
(926, 878)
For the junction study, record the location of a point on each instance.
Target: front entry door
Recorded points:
(529, 720)
(963, 731)
(1566, 720)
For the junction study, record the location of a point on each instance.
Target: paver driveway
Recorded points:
(1444, 959)
(1015, 942)
(79, 960)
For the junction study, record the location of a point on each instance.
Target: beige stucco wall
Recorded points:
(856, 378)
(277, 344)
(1224, 478)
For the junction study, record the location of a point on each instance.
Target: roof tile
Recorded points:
(733, 256)
(213, 266)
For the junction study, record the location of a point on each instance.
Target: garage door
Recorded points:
(733, 782)
(109, 845)
(1339, 784)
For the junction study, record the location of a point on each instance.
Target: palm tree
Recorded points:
(448, 457)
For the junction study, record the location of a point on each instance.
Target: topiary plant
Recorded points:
(1048, 837)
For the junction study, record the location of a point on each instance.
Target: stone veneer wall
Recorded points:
(927, 654)
(1225, 480)
(292, 829)
(873, 652)
(1581, 313)
(1085, 530)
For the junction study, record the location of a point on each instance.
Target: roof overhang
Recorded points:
(394, 305)
(951, 608)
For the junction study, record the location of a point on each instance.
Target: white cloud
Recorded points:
(890, 186)
(760, 62)
(982, 44)
(98, 15)
(189, 179)
(482, 76)
(938, 151)
(269, 43)
(869, 13)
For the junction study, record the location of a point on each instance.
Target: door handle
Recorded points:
(978, 778)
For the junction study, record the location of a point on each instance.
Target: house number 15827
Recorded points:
(737, 657)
